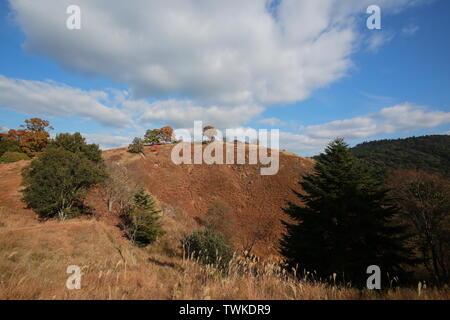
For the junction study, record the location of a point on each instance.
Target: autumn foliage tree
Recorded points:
(33, 137)
(424, 199)
(166, 134)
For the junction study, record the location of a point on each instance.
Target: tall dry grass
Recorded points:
(33, 263)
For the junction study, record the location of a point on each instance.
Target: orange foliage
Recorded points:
(33, 138)
(166, 134)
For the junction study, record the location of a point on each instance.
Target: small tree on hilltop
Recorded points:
(140, 221)
(152, 137)
(346, 222)
(33, 138)
(166, 134)
(137, 146)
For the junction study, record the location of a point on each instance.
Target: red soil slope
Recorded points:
(195, 188)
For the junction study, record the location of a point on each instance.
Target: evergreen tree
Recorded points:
(141, 219)
(345, 224)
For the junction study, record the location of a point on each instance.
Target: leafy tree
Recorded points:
(346, 222)
(151, 137)
(9, 157)
(33, 138)
(137, 146)
(208, 247)
(76, 143)
(424, 199)
(166, 134)
(56, 181)
(140, 220)
(119, 187)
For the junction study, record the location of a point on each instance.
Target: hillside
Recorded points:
(34, 255)
(193, 189)
(430, 153)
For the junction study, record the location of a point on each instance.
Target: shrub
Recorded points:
(9, 157)
(137, 146)
(56, 181)
(208, 247)
(9, 146)
(140, 220)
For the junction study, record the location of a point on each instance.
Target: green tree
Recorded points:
(345, 224)
(55, 182)
(152, 137)
(141, 220)
(137, 146)
(76, 143)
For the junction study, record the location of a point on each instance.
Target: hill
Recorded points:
(429, 153)
(34, 255)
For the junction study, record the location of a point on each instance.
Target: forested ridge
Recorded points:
(428, 153)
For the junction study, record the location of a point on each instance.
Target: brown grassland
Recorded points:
(34, 255)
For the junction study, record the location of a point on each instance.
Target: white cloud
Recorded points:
(273, 122)
(107, 141)
(3, 129)
(379, 39)
(183, 113)
(214, 52)
(401, 118)
(53, 99)
(410, 30)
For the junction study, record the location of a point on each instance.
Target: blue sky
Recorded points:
(312, 70)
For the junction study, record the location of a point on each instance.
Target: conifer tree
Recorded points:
(345, 222)
(141, 219)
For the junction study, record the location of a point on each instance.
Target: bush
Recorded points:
(9, 157)
(137, 146)
(55, 182)
(140, 220)
(208, 247)
(9, 146)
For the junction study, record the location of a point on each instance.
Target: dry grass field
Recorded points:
(34, 256)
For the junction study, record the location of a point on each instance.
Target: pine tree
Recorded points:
(345, 224)
(141, 219)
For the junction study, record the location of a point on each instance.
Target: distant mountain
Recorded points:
(430, 153)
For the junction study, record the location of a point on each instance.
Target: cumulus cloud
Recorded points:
(183, 113)
(273, 122)
(216, 52)
(54, 99)
(399, 118)
(107, 141)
